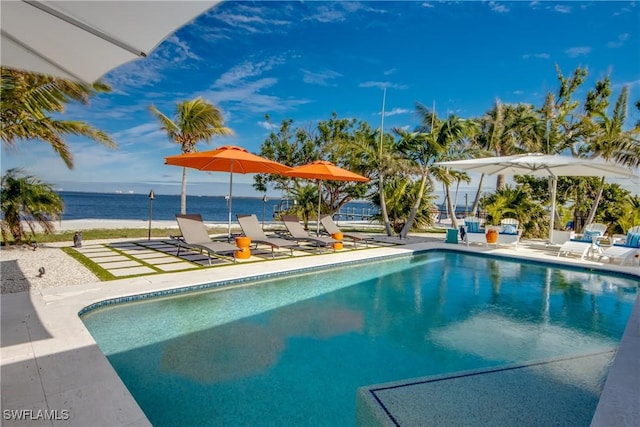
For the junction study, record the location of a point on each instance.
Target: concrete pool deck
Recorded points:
(53, 373)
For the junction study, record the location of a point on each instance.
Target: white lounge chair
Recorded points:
(196, 236)
(332, 228)
(473, 231)
(587, 243)
(251, 228)
(510, 232)
(626, 250)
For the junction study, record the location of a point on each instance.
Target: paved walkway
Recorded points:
(141, 257)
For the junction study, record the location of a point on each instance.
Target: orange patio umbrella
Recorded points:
(322, 170)
(228, 158)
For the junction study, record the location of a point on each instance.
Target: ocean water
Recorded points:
(80, 205)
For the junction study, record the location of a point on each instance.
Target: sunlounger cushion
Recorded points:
(633, 240)
(509, 229)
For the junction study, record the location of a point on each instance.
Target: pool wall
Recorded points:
(50, 361)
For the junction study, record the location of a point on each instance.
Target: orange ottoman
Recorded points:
(244, 244)
(337, 236)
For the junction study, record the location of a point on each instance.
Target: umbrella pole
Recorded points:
(230, 201)
(554, 183)
(319, 201)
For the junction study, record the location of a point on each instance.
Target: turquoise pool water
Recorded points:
(294, 349)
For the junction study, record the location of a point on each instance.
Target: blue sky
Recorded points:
(303, 61)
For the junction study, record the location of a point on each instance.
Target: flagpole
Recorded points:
(554, 185)
(319, 201)
(230, 202)
(385, 217)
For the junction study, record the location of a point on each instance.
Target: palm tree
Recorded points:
(375, 156)
(448, 142)
(630, 213)
(194, 121)
(628, 153)
(421, 148)
(509, 129)
(605, 134)
(306, 202)
(27, 200)
(28, 101)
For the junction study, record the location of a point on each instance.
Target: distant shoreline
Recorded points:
(110, 224)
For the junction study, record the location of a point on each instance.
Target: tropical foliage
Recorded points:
(400, 194)
(194, 121)
(403, 176)
(298, 146)
(29, 103)
(26, 200)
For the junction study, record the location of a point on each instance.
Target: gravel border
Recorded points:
(21, 267)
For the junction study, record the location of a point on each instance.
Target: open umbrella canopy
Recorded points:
(322, 170)
(228, 158)
(541, 165)
(326, 171)
(83, 40)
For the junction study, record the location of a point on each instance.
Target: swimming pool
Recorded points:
(293, 350)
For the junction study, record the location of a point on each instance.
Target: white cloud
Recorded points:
(339, 11)
(383, 85)
(148, 71)
(268, 125)
(536, 56)
(327, 13)
(622, 38)
(247, 17)
(498, 7)
(574, 52)
(396, 111)
(242, 72)
(246, 96)
(562, 8)
(428, 5)
(389, 72)
(321, 78)
(148, 132)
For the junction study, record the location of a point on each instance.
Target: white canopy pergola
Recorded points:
(541, 165)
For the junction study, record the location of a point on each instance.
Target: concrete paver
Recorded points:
(131, 271)
(118, 264)
(176, 266)
(108, 258)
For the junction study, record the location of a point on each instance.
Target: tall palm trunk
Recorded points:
(414, 209)
(383, 208)
(476, 201)
(500, 182)
(455, 199)
(452, 212)
(183, 192)
(596, 202)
